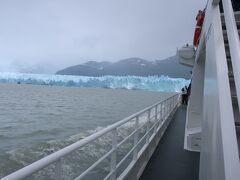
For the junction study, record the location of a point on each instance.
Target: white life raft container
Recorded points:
(186, 55)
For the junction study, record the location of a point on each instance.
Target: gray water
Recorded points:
(38, 120)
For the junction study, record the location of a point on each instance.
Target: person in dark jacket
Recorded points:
(184, 96)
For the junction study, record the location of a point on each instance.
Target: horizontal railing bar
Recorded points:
(134, 147)
(154, 126)
(143, 148)
(44, 162)
(153, 117)
(95, 164)
(125, 157)
(127, 138)
(124, 173)
(140, 127)
(141, 139)
(160, 125)
(109, 174)
(150, 129)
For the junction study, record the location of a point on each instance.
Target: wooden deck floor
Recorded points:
(170, 161)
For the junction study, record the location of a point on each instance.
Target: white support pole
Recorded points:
(161, 114)
(114, 154)
(135, 152)
(155, 127)
(58, 170)
(164, 110)
(156, 113)
(148, 126)
(171, 104)
(167, 105)
(234, 43)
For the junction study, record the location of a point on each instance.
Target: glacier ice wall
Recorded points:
(153, 83)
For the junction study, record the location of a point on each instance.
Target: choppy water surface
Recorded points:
(38, 120)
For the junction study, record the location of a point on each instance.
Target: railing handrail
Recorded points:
(52, 158)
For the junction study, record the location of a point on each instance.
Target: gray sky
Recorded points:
(60, 33)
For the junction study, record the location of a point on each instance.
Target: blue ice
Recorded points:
(152, 83)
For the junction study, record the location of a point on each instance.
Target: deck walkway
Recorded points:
(170, 161)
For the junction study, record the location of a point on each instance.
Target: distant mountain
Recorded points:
(130, 66)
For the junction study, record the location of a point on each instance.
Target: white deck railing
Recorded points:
(156, 114)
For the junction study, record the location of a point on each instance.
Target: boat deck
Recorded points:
(170, 161)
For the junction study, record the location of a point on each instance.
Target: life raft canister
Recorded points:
(198, 29)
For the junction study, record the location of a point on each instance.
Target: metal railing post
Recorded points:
(148, 126)
(135, 152)
(164, 110)
(170, 105)
(114, 154)
(156, 113)
(173, 102)
(58, 170)
(161, 112)
(167, 108)
(176, 100)
(155, 127)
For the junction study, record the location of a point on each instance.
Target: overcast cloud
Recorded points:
(60, 33)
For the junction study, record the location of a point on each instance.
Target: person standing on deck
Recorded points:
(184, 96)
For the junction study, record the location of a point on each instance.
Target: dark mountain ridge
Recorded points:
(131, 66)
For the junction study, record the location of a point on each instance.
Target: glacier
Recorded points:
(152, 83)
